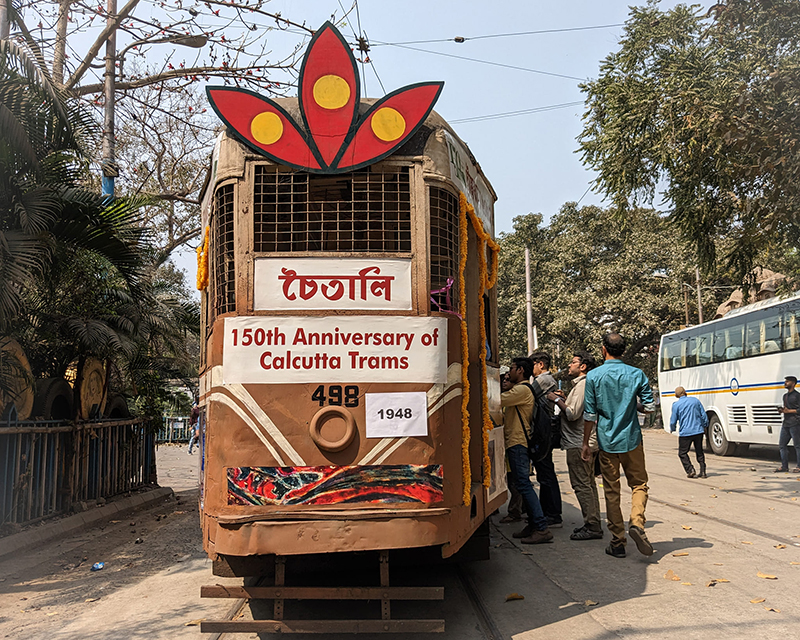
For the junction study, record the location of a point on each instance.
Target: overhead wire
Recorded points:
(488, 62)
(521, 112)
(461, 39)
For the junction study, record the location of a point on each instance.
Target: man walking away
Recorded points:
(549, 491)
(610, 405)
(518, 406)
(688, 413)
(791, 424)
(581, 474)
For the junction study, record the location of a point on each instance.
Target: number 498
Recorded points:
(335, 396)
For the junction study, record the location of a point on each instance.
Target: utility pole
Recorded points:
(699, 297)
(686, 302)
(528, 305)
(108, 163)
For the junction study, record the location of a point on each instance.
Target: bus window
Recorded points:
(772, 333)
(700, 349)
(728, 343)
(672, 357)
(763, 335)
(791, 330)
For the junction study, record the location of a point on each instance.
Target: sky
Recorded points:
(530, 159)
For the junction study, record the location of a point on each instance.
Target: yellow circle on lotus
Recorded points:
(267, 127)
(331, 92)
(387, 124)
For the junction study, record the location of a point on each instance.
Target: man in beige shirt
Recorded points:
(581, 472)
(518, 405)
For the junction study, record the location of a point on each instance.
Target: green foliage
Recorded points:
(593, 271)
(706, 107)
(79, 276)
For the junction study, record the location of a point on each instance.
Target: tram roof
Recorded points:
(415, 146)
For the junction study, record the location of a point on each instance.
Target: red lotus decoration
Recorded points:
(333, 139)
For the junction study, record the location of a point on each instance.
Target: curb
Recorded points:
(19, 541)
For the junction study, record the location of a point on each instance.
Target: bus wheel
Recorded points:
(716, 438)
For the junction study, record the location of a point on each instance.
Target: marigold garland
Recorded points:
(463, 240)
(202, 263)
(487, 281)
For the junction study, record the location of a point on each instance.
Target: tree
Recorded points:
(78, 277)
(707, 105)
(593, 272)
(163, 150)
(42, 203)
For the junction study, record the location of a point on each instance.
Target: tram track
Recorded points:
(486, 622)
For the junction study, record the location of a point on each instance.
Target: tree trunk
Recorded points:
(59, 53)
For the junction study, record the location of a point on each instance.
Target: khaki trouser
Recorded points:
(636, 475)
(581, 477)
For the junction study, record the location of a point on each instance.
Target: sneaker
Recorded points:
(528, 530)
(538, 537)
(618, 551)
(691, 474)
(510, 518)
(581, 528)
(638, 535)
(555, 523)
(586, 534)
(781, 470)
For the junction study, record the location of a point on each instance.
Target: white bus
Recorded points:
(735, 366)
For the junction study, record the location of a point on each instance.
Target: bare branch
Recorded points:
(93, 50)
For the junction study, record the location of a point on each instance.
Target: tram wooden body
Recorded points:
(349, 374)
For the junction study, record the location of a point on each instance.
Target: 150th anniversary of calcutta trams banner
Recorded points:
(290, 350)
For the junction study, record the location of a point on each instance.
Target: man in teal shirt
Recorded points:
(613, 392)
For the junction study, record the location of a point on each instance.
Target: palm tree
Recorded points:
(43, 203)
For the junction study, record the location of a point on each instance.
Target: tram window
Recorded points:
(444, 250)
(791, 329)
(362, 211)
(672, 356)
(728, 343)
(224, 274)
(763, 335)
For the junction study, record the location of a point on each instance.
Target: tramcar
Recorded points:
(349, 368)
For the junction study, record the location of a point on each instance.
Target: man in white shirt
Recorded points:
(581, 472)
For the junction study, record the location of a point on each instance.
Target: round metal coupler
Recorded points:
(321, 417)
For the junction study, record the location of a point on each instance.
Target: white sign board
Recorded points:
(497, 458)
(291, 350)
(395, 415)
(464, 173)
(302, 284)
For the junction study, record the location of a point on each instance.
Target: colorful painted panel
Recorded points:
(334, 485)
(334, 138)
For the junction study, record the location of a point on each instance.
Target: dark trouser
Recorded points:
(520, 465)
(793, 434)
(548, 487)
(515, 503)
(581, 476)
(684, 444)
